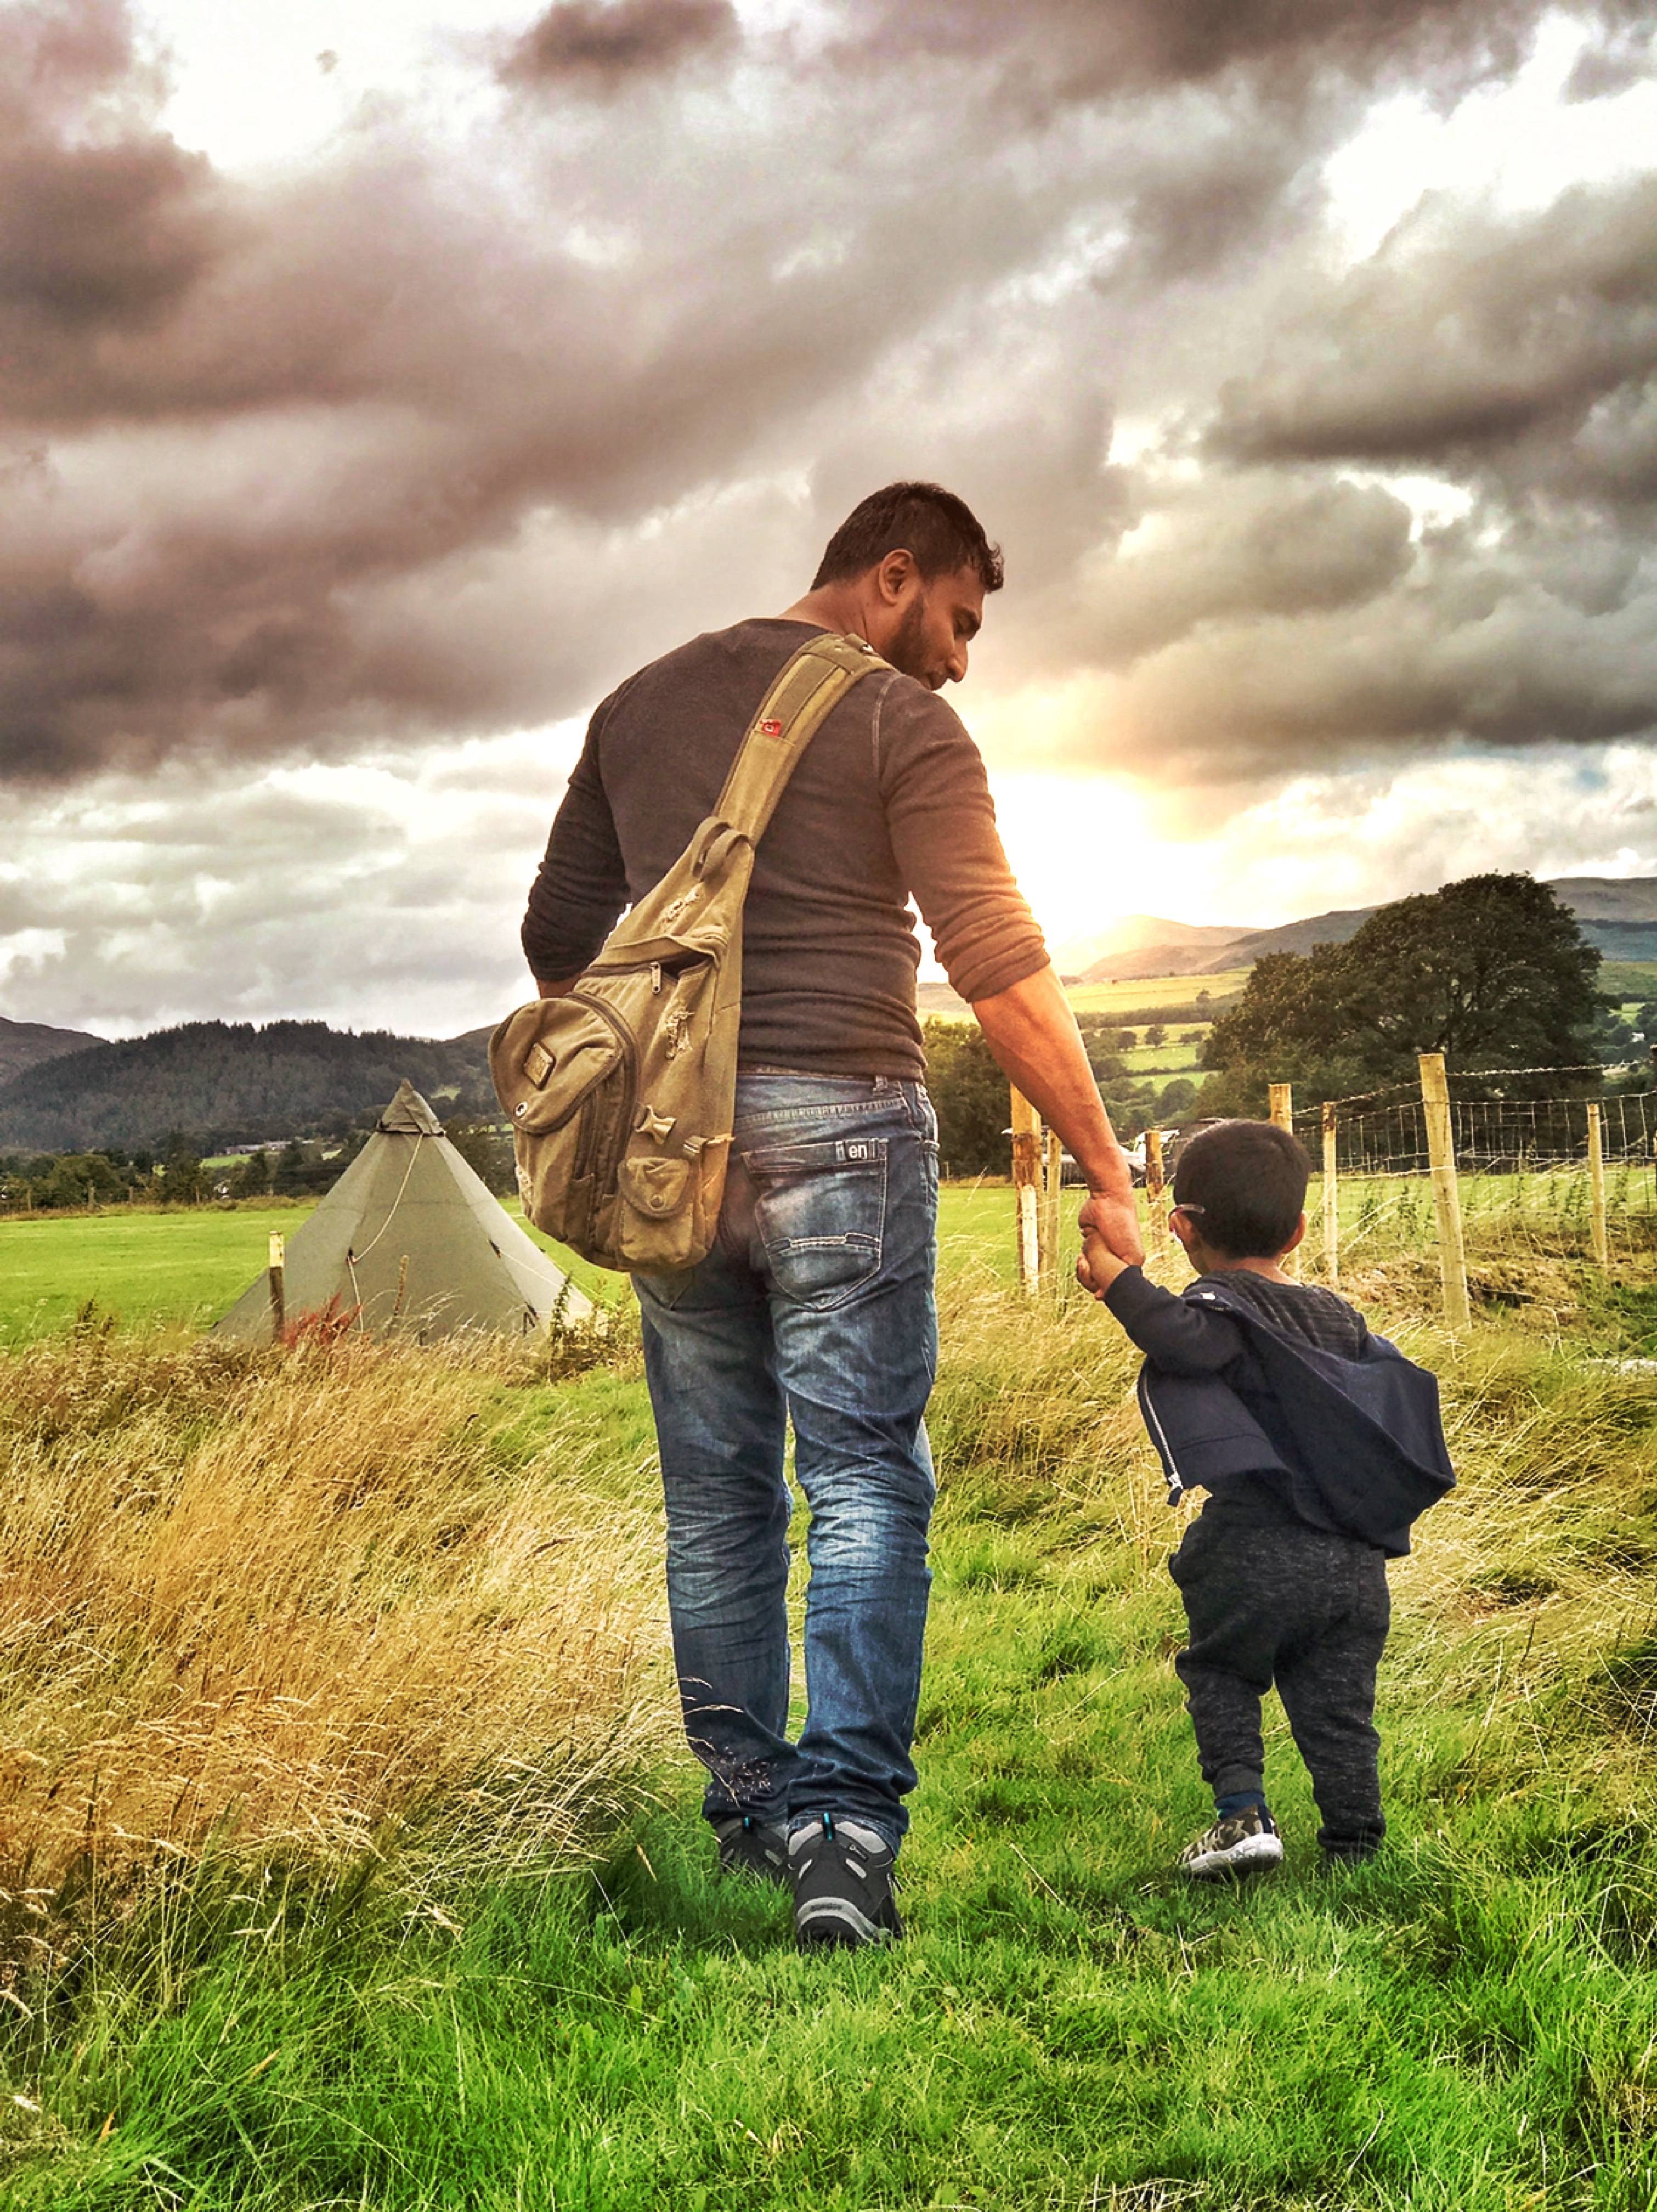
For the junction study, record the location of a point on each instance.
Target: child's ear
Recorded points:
(1183, 1227)
(1300, 1232)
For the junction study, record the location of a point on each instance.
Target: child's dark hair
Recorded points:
(1245, 1184)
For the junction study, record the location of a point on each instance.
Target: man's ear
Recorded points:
(896, 576)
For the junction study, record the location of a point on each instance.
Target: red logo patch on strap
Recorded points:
(770, 729)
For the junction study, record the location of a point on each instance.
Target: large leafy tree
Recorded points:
(1492, 971)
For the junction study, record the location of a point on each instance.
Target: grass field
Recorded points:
(1153, 991)
(187, 1266)
(280, 2023)
(1633, 980)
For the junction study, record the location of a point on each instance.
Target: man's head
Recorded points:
(917, 562)
(1240, 1189)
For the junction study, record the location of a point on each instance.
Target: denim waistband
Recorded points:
(776, 1096)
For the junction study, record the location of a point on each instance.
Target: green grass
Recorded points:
(1631, 980)
(186, 1265)
(144, 1267)
(1469, 2025)
(1179, 1056)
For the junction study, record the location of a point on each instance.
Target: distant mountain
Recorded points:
(1131, 936)
(1609, 898)
(26, 1045)
(219, 1084)
(1617, 913)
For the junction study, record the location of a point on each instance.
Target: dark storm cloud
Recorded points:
(1526, 349)
(1257, 547)
(443, 438)
(602, 44)
(1088, 49)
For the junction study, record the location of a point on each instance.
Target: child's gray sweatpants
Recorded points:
(1281, 1602)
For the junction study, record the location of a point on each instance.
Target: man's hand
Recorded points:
(1098, 1266)
(1110, 1231)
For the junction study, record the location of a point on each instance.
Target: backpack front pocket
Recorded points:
(545, 1067)
(819, 1210)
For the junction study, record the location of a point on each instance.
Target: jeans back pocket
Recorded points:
(820, 1213)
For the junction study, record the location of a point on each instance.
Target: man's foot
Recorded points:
(758, 1848)
(1244, 1843)
(842, 1875)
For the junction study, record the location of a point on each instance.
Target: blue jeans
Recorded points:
(815, 1305)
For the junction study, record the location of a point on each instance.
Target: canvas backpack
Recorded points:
(622, 1093)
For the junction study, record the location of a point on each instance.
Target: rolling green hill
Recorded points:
(221, 1083)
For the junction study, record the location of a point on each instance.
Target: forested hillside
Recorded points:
(221, 1083)
(26, 1045)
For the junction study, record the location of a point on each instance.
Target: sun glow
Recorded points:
(1084, 853)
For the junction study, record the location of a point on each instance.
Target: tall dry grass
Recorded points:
(308, 1601)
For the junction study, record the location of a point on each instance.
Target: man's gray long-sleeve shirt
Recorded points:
(888, 802)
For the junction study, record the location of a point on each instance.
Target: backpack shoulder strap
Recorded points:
(811, 682)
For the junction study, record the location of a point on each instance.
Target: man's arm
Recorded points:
(1033, 1033)
(581, 886)
(942, 823)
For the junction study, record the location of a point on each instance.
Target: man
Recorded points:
(816, 1303)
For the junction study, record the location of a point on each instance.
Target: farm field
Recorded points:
(1154, 991)
(393, 1979)
(1179, 1056)
(1634, 981)
(1131, 998)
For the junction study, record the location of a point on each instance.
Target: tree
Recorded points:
(972, 1098)
(1155, 1035)
(487, 1149)
(1492, 971)
(252, 1177)
(288, 1177)
(183, 1182)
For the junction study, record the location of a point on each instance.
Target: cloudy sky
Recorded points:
(383, 380)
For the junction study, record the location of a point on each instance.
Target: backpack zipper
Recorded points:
(587, 1142)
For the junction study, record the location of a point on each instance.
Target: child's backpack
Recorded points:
(622, 1093)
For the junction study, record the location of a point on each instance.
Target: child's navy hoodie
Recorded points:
(1280, 1395)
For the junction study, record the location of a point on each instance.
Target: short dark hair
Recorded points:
(1246, 1183)
(939, 529)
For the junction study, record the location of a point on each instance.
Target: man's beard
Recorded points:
(907, 650)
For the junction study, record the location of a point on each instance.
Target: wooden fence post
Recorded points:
(1446, 1196)
(1156, 1184)
(278, 1282)
(1052, 1208)
(1331, 1195)
(1597, 1182)
(1027, 1188)
(1283, 1112)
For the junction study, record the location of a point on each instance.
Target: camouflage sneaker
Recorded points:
(758, 1848)
(1245, 1843)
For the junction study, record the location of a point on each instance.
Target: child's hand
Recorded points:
(1098, 1266)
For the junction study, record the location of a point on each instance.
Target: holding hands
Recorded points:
(1110, 1240)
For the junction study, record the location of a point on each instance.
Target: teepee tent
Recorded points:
(412, 1237)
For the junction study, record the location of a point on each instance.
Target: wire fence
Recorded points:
(1490, 1136)
(1464, 1166)
(1460, 1165)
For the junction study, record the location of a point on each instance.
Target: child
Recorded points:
(1318, 1443)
